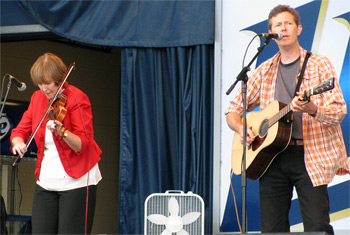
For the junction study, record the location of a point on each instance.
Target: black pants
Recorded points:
(63, 212)
(276, 190)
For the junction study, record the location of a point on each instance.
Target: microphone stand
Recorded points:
(14, 170)
(9, 86)
(242, 76)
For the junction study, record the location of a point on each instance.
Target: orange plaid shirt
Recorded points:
(325, 153)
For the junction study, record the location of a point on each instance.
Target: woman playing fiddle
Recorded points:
(67, 170)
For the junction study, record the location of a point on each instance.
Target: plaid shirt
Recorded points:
(325, 153)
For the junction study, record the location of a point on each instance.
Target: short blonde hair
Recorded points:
(48, 68)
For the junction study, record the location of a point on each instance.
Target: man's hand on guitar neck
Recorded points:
(299, 104)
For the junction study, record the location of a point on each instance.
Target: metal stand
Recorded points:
(9, 86)
(13, 193)
(243, 77)
(14, 169)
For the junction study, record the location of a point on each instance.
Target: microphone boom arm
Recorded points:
(242, 76)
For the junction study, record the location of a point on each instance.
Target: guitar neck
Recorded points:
(283, 112)
(324, 86)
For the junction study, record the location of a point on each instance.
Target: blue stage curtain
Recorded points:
(127, 23)
(166, 136)
(166, 128)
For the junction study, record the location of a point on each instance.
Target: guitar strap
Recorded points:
(302, 72)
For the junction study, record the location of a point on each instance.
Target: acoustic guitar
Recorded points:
(272, 128)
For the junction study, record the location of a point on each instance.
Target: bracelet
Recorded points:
(62, 133)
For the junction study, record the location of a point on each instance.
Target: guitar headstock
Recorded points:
(320, 88)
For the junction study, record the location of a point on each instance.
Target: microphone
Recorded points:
(277, 36)
(21, 86)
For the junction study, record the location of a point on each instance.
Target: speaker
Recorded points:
(12, 114)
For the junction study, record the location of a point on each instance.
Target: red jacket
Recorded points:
(77, 120)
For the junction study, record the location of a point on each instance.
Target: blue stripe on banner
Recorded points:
(229, 222)
(339, 200)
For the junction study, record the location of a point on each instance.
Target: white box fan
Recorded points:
(174, 212)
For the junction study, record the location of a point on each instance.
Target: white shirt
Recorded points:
(52, 174)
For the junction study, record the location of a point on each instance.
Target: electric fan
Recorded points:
(174, 212)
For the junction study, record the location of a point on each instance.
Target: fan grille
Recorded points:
(159, 204)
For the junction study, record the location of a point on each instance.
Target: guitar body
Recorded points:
(270, 141)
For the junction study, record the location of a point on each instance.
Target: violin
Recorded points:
(55, 110)
(58, 110)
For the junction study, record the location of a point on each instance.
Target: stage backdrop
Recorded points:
(325, 31)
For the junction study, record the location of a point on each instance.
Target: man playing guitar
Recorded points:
(315, 151)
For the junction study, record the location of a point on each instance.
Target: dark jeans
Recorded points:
(276, 189)
(63, 212)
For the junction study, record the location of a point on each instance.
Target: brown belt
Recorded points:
(296, 142)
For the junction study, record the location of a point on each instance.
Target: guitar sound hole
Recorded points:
(263, 128)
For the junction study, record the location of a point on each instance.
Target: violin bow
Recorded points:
(31, 137)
